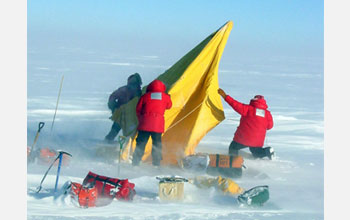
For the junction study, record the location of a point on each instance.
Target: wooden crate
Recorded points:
(171, 191)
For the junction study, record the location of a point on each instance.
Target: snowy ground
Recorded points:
(294, 92)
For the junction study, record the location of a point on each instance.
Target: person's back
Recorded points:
(151, 107)
(150, 112)
(120, 97)
(255, 121)
(125, 93)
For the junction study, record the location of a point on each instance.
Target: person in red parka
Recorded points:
(150, 113)
(255, 121)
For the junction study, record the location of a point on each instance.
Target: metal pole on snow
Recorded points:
(58, 98)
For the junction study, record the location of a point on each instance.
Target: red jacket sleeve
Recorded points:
(240, 108)
(170, 103)
(269, 121)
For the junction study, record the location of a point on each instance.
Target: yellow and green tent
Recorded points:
(192, 82)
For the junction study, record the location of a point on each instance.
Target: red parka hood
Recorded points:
(258, 102)
(156, 86)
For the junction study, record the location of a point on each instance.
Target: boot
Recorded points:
(270, 153)
(111, 135)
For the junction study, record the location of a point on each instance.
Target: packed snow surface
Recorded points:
(293, 90)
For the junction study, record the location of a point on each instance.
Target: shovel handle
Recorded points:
(121, 140)
(41, 125)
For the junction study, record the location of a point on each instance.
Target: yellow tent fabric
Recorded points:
(192, 83)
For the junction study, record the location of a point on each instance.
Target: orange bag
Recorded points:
(84, 196)
(98, 190)
(225, 161)
(46, 156)
(225, 165)
(108, 187)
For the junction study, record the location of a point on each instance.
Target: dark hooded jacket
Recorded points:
(151, 107)
(125, 93)
(255, 120)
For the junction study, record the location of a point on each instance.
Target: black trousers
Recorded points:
(257, 152)
(141, 142)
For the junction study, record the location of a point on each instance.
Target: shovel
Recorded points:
(121, 140)
(31, 154)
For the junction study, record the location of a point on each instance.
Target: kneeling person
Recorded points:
(255, 121)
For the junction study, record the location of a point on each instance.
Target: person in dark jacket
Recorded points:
(120, 97)
(255, 121)
(150, 113)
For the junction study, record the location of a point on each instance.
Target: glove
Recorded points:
(222, 93)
